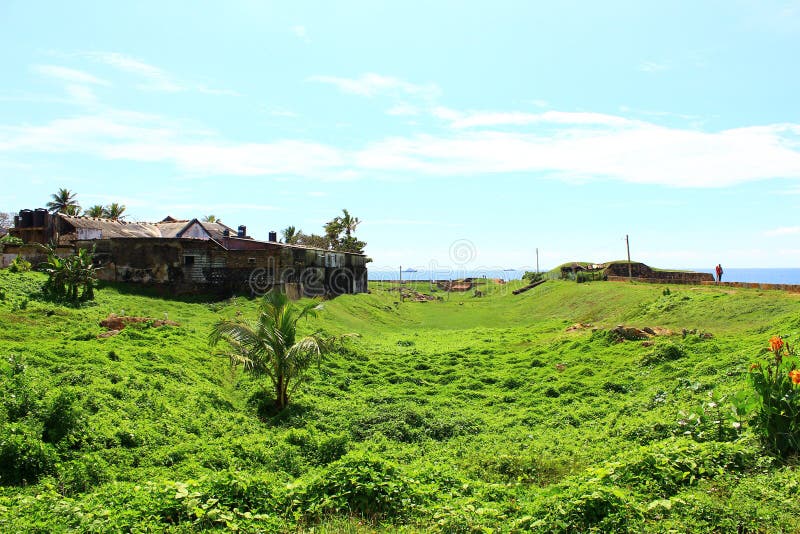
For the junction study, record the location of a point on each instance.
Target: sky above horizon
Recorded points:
(462, 134)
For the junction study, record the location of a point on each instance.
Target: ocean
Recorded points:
(731, 274)
(764, 276)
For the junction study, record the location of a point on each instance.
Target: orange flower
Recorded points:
(775, 344)
(795, 376)
(754, 366)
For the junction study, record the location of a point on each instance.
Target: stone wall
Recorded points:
(643, 273)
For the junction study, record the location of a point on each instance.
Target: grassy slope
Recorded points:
(485, 409)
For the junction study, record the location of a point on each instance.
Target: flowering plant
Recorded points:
(777, 384)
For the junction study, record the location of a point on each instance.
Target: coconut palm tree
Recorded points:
(348, 223)
(95, 211)
(114, 211)
(64, 202)
(211, 219)
(269, 346)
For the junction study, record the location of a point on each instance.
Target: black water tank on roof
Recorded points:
(26, 218)
(39, 217)
(273, 237)
(16, 221)
(242, 231)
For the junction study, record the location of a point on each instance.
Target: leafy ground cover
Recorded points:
(505, 413)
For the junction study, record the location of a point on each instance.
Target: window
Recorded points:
(188, 260)
(251, 261)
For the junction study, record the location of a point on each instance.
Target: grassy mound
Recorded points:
(451, 415)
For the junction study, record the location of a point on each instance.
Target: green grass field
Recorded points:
(457, 415)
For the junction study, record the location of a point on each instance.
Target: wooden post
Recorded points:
(628, 245)
(400, 287)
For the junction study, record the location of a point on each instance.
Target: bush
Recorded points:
(19, 265)
(62, 417)
(23, 456)
(361, 484)
(589, 506)
(777, 419)
(664, 353)
(9, 240)
(532, 276)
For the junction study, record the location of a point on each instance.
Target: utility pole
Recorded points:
(537, 260)
(400, 287)
(628, 245)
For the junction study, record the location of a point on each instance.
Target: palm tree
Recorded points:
(269, 346)
(95, 211)
(290, 235)
(114, 211)
(348, 223)
(64, 202)
(211, 219)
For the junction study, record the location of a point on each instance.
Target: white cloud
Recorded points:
(300, 31)
(371, 84)
(154, 78)
(652, 66)
(549, 117)
(69, 75)
(282, 113)
(576, 147)
(783, 231)
(403, 109)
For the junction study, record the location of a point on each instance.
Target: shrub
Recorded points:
(19, 398)
(589, 506)
(359, 483)
(62, 417)
(664, 353)
(776, 381)
(23, 456)
(19, 265)
(9, 240)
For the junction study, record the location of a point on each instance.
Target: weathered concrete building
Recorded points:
(192, 255)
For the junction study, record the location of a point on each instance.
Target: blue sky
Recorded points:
(501, 126)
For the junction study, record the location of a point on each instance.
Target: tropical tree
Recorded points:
(291, 235)
(314, 241)
(348, 223)
(64, 202)
(339, 233)
(211, 219)
(114, 211)
(95, 211)
(66, 276)
(269, 346)
(333, 229)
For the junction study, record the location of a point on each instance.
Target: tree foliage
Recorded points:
(97, 211)
(338, 235)
(6, 222)
(269, 345)
(71, 278)
(114, 211)
(64, 201)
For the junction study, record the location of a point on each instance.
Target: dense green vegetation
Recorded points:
(457, 415)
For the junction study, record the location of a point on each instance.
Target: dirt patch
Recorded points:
(116, 322)
(580, 326)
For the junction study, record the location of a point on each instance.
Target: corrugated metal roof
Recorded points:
(116, 229)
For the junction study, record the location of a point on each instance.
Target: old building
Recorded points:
(192, 255)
